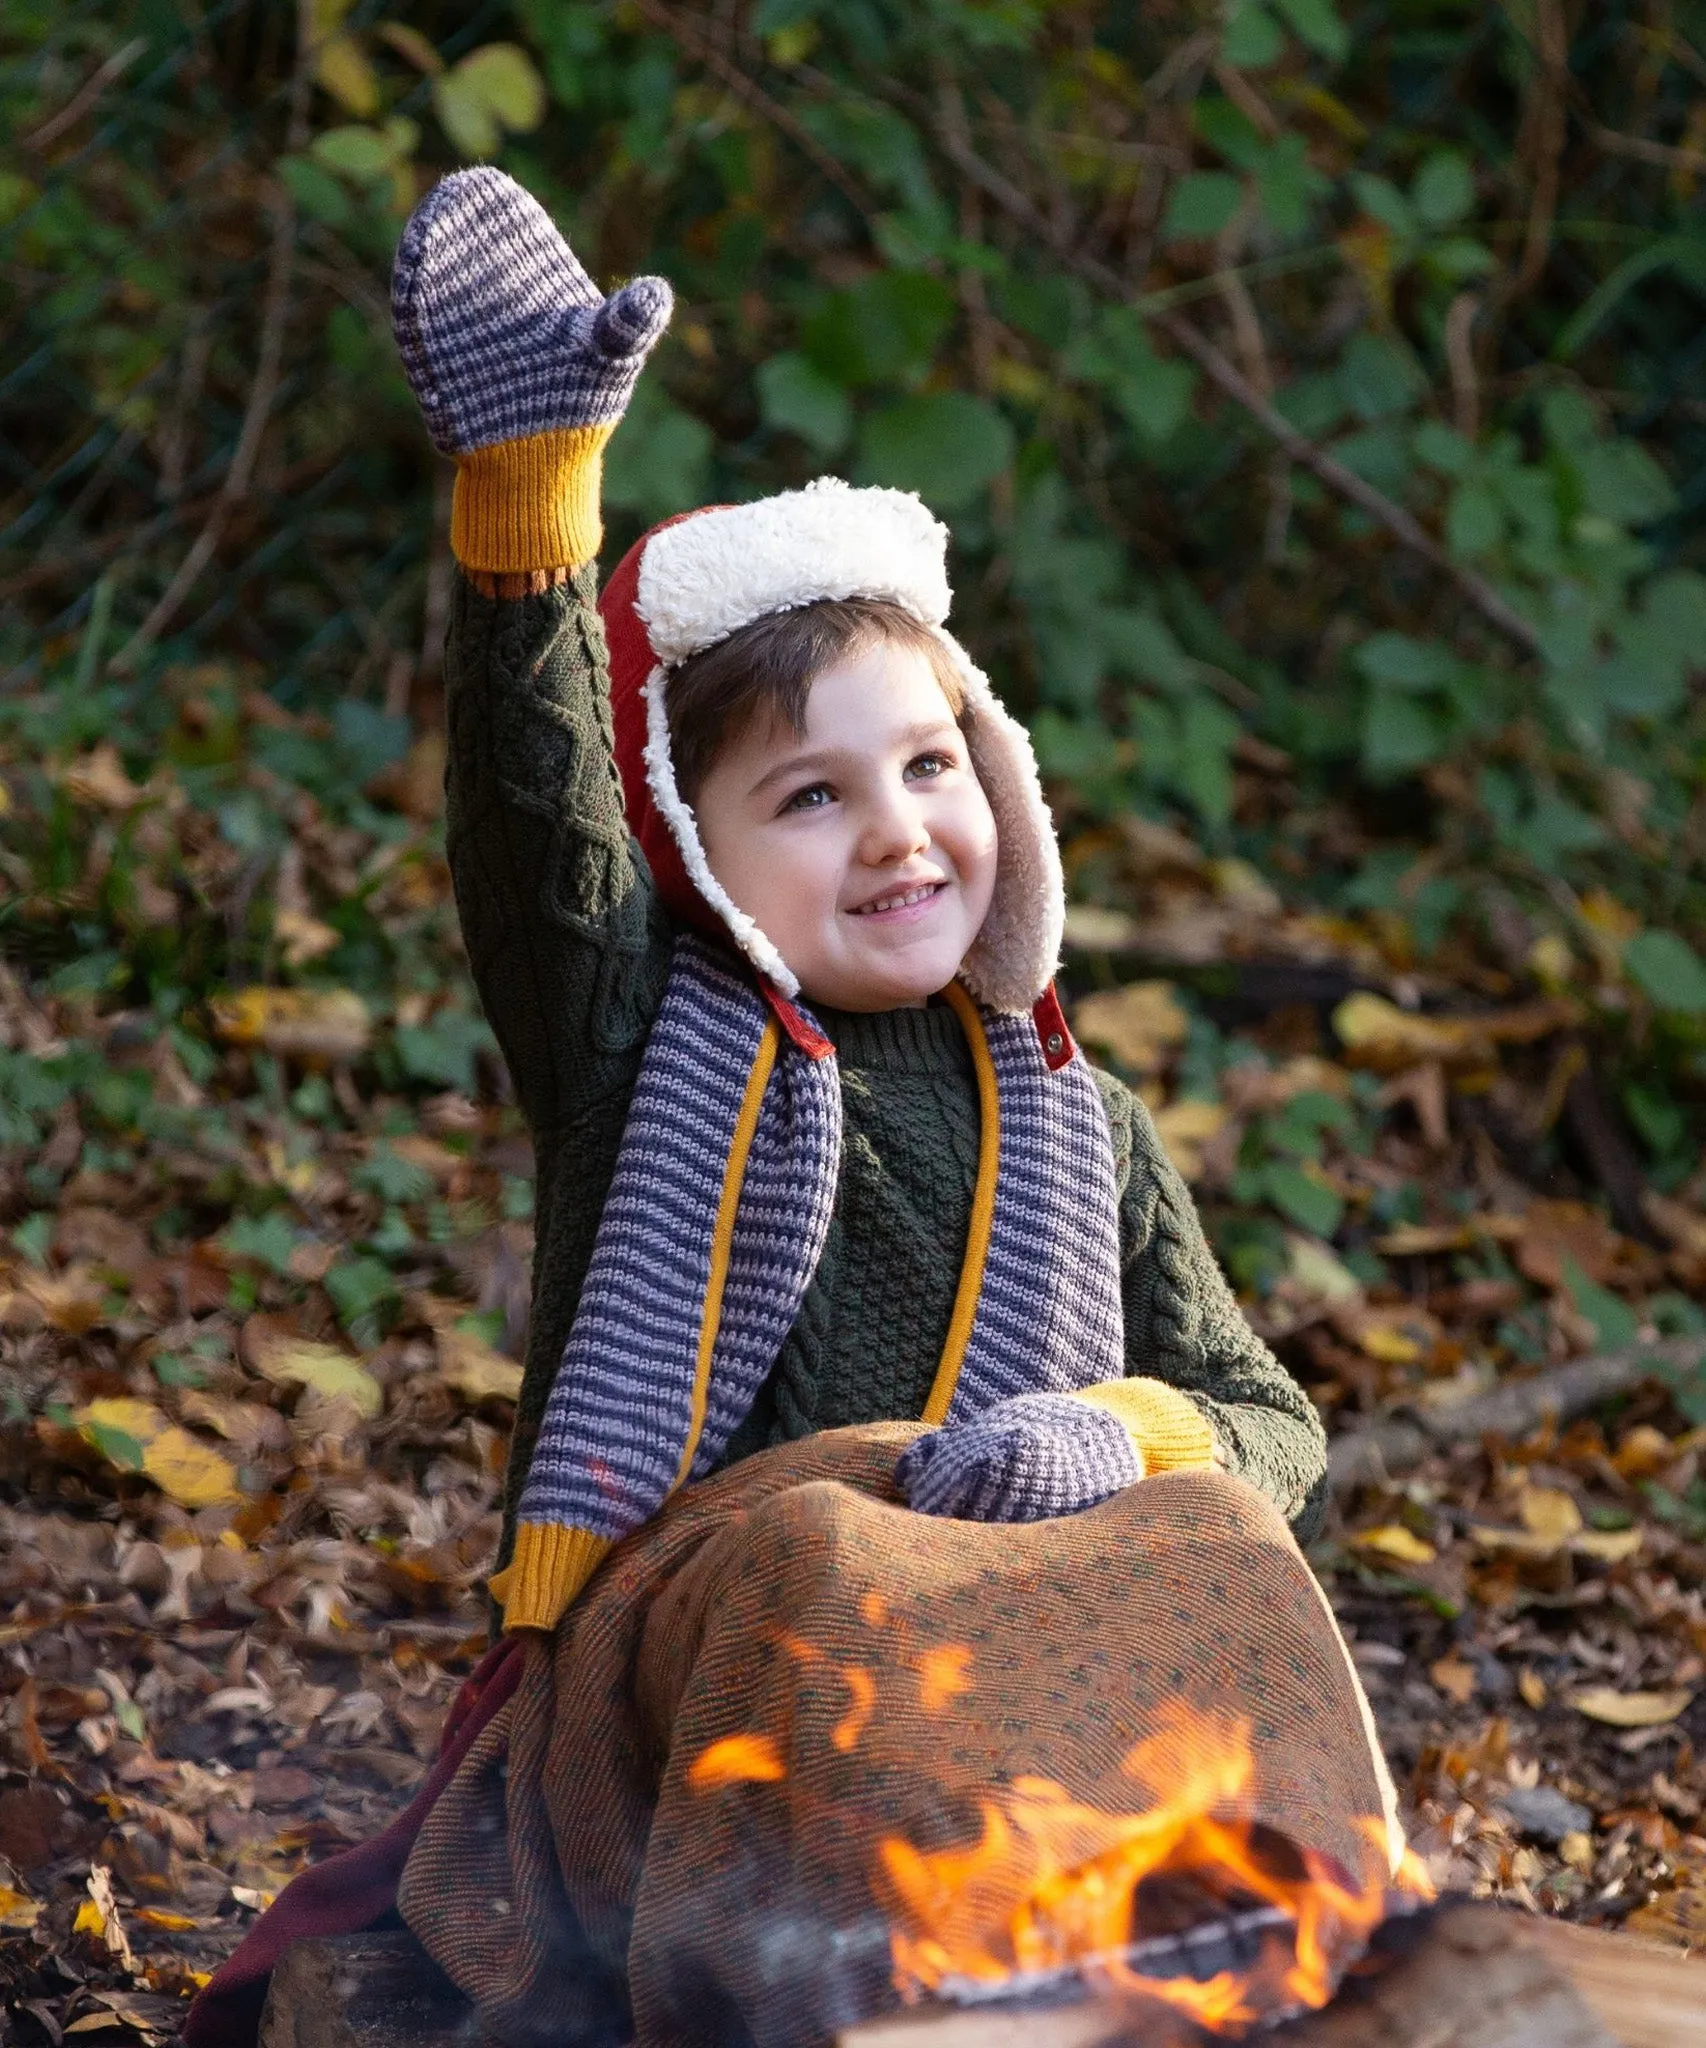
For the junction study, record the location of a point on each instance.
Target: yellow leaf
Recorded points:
(90, 1920)
(1140, 1024)
(1608, 1546)
(1513, 1542)
(1318, 1273)
(1550, 1513)
(1629, 1709)
(474, 1369)
(1091, 929)
(173, 1923)
(297, 1361)
(411, 44)
(1532, 1687)
(18, 1911)
(1455, 1677)
(190, 1472)
(1392, 1540)
(343, 70)
(309, 1023)
(491, 89)
(1185, 1129)
(1390, 1346)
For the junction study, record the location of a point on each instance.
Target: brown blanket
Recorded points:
(730, 1777)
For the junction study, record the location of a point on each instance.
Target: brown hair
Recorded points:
(768, 668)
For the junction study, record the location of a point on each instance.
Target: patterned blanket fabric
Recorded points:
(726, 1798)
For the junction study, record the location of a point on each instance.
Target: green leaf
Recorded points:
(361, 1289)
(886, 330)
(1301, 1198)
(493, 89)
(117, 1446)
(1614, 1321)
(1443, 190)
(1399, 735)
(1253, 38)
(269, 1240)
(1474, 520)
(1622, 482)
(1153, 392)
(1286, 182)
(1379, 378)
(1381, 200)
(1202, 203)
(946, 446)
(1666, 968)
(392, 1177)
(660, 458)
(1316, 22)
(355, 152)
(1229, 131)
(798, 399)
(1406, 664)
(443, 1051)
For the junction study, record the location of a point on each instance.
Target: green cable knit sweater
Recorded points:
(570, 950)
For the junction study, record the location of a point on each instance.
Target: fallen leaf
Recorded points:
(72, 1301)
(1317, 1271)
(1678, 1916)
(1392, 1540)
(1186, 1129)
(1608, 1546)
(135, 1436)
(1139, 1024)
(171, 1923)
(303, 938)
(323, 1368)
(99, 781)
(1642, 1451)
(18, 1911)
(1455, 1677)
(1532, 1688)
(1549, 1513)
(188, 1471)
(1628, 1709)
(1553, 1232)
(1377, 1033)
(477, 1372)
(1091, 929)
(1422, 1240)
(305, 1023)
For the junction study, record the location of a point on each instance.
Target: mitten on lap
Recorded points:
(1026, 1459)
(502, 333)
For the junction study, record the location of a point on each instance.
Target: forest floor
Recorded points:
(266, 1283)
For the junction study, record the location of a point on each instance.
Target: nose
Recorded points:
(893, 828)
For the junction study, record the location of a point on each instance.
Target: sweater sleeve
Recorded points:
(568, 945)
(1184, 1327)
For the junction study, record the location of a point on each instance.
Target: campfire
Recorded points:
(1164, 1895)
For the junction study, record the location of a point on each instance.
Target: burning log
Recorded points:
(1468, 1975)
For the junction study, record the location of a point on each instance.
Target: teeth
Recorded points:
(900, 902)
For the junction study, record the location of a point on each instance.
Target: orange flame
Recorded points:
(737, 1760)
(1075, 1872)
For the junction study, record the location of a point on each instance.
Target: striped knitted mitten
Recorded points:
(1026, 1459)
(502, 333)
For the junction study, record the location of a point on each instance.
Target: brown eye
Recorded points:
(927, 767)
(812, 798)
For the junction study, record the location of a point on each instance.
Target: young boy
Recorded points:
(763, 901)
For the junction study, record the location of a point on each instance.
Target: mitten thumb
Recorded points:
(630, 321)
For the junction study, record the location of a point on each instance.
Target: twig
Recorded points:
(86, 95)
(1665, 155)
(275, 309)
(1344, 482)
(1460, 359)
(1545, 117)
(1296, 447)
(1512, 1411)
(748, 89)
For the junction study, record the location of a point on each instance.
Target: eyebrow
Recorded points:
(802, 764)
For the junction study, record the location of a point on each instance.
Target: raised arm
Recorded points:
(523, 370)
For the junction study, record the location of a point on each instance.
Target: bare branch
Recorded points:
(86, 95)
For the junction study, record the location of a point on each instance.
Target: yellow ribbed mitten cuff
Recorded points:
(550, 1566)
(531, 503)
(1167, 1427)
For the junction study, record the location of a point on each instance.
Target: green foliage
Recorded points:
(942, 248)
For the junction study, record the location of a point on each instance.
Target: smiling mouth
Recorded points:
(900, 899)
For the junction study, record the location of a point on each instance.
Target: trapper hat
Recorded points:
(694, 580)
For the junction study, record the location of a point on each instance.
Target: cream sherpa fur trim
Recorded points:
(708, 576)
(677, 814)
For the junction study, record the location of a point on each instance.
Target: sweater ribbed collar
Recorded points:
(925, 1041)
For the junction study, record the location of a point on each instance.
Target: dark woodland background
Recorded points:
(1317, 394)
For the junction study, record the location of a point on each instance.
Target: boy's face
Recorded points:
(863, 847)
